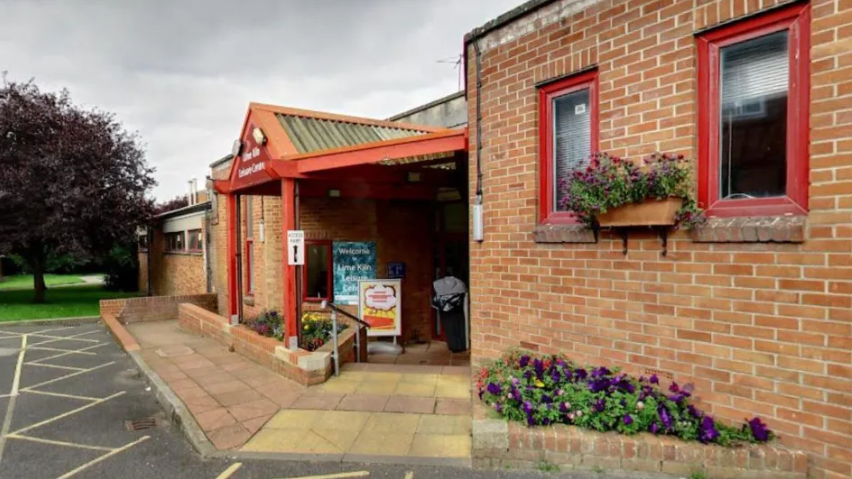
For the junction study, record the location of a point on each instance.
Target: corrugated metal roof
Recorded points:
(314, 134)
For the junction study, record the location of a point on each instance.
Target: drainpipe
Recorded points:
(299, 284)
(239, 255)
(478, 226)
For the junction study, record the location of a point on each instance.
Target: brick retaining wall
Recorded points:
(304, 367)
(153, 308)
(499, 444)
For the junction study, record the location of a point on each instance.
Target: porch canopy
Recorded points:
(352, 157)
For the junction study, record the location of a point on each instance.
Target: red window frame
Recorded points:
(249, 266)
(548, 213)
(193, 240)
(312, 299)
(796, 20)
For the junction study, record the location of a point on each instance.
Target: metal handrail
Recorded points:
(360, 323)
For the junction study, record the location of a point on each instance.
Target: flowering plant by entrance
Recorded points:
(316, 331)
(610, 182)
(552, 390)
(269, 324)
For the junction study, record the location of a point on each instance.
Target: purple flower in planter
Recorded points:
(494, 389)
(676, 398)
(694, 412)
(654, 428)
(530, 419)
(599, 385)
(498, 407)
(581, 374)
(528, 374)
(654, 379)
(546, 399)
(708, 432)
(642, 379)
(563, 407)
(515, 381)
(554, 374)
(674, 388)
(665, 418)
(600, 372)
(528, 407)
(759, 429)
(524, 361)
(516, 394)
(628, 420)
(539, 368)
(600, 405)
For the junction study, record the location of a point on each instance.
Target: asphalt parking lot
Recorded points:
(68, 393)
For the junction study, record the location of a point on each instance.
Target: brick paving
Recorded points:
(417, 407)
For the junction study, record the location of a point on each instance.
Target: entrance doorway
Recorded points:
(451, 250)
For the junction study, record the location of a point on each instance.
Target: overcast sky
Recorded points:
(182, 72)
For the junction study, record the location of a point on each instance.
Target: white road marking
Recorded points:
(103, 458)
(73, 411)
(230, 470)
(10, 409)
(67, 376)
(58, 443)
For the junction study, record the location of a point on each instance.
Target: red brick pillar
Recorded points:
(288, 222)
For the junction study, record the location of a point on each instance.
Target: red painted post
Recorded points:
(288, 221)
(232, 256)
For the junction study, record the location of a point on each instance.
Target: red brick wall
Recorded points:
(153, 308)
(401, 230)
(171, 274)
(761, 329)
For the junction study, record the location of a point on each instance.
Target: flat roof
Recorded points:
(432, 103)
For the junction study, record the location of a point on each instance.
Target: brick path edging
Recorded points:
(305, 367)
(498, 443)
(153, 308)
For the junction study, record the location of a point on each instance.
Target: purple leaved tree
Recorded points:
(72, 180)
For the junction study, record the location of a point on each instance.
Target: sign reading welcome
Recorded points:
(353, 261)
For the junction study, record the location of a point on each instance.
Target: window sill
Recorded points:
(184, 253)
(563, 234)
(758, 229)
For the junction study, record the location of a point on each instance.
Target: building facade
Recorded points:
(755, 307)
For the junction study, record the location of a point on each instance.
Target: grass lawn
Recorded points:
(65, 302)
(25, 281)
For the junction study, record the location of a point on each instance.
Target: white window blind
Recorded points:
(755, 70)
(572, 142)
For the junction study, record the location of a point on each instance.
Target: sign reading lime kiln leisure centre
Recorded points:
(353, 261)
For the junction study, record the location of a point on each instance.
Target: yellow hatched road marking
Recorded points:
(70, 368)
(7, 422)
(73, 411)
(230, 470)
(67, 376)
(58, 443)
(341, 475)
(79, 351)
(57, 350)
(103, 458)
(59, 395)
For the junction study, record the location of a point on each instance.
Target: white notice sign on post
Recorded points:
(296, 247)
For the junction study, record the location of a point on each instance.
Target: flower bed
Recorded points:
(269, 324)
(552, 390)
(316, 331)
(610, 182)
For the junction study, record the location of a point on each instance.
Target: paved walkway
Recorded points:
(371, 409)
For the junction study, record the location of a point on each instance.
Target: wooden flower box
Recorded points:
(650, 212)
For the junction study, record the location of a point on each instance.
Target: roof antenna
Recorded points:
(456, 62)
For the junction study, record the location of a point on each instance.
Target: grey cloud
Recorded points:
(182, 72)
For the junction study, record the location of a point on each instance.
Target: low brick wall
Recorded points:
(305, 367)
(153, 308)
(499, 444)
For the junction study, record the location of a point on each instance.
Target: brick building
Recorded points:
(391, 186)
(173, 251)
(754, 307)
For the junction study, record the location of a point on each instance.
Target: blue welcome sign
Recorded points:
(353, 261)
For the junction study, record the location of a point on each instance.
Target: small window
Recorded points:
(317, 271)
(143, 242)
(196, 241)
(568, 135)
(753, 156)
(175, 242)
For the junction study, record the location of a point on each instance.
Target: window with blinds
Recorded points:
(754, 86)
(571, 136)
